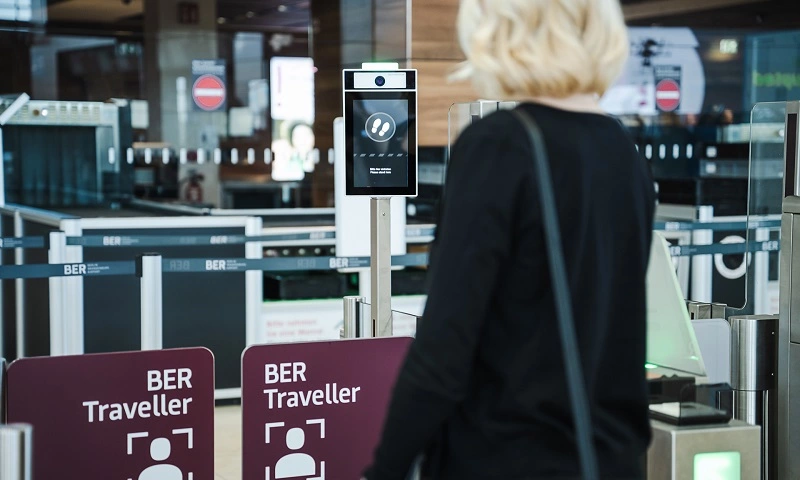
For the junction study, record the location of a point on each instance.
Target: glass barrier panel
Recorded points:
(765, 196)
(671, 341)
(403, 324)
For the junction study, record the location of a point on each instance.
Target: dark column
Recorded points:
(15, 50)
(327, 53)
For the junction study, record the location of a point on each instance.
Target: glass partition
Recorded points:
(671, 340)
(765, 195)
(403, 324)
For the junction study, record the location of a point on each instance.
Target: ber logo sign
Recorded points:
(314, 411)
(120, 416)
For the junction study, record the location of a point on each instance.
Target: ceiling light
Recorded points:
(221, 20)
(282, 8)
(250, 15)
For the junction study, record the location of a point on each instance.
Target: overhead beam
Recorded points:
(668, 8)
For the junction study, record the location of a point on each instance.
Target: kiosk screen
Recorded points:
(381, 143)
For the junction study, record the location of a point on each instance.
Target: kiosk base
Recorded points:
(731, 451)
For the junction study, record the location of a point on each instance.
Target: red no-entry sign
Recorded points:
(120, 416)
(313, 411)
(668, 95)
(208, 92)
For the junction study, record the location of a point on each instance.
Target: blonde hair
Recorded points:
(541, 48)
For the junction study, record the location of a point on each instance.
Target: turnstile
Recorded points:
(788, 418)
(704, 452)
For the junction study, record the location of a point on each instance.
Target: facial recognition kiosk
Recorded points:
(380, 162)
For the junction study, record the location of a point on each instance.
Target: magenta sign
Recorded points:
(314, 411)
(119, 416)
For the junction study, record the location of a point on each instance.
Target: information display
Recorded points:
(381, 133)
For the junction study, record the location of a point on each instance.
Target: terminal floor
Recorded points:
(228, 443)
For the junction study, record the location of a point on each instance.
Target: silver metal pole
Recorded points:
(2, 309)
(760, 282)
(754, 363)
(3, 393)
(702, 265)
(58, 334)
(16, 452)
(381, 267)
(352, 316)
(152, 309)
(19, 259)
(73, 294)
(255, 327)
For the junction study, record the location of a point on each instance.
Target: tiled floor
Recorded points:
(228, 443)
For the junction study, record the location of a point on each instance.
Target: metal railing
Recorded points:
(16, 452)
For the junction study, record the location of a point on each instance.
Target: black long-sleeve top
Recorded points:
(483, 388)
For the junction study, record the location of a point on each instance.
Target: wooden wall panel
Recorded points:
(433, 30)
(435, 97)
(435, 53)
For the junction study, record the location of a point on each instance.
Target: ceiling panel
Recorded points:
(270, 14)
(93, 11)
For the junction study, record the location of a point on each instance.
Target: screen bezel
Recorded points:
(350, 96)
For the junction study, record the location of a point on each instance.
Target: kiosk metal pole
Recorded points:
(754, 361)
(381, 263)
(149, 270)
(16, 447)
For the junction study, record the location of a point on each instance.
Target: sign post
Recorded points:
(314, 410)
(127, 416)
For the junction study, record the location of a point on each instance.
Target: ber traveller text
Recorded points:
(294, 372)
(160, 406)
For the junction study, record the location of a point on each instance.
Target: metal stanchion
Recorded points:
(19, 259)
(16, 447)
(754, 363)
(148, 268)
(58, 334)
(352, 317)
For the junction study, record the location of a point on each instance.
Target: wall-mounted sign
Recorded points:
(292, 102)
(772, 71)
(668, 87)
(664, 73)
(208, 88)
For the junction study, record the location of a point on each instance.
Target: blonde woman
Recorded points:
(482, 392)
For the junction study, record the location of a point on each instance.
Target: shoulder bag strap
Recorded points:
(566, 326)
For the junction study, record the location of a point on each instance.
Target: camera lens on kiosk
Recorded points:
(380, 81)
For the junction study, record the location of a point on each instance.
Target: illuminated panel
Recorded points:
(718, 466)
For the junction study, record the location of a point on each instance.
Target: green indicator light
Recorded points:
(718, 466)
(650, 366)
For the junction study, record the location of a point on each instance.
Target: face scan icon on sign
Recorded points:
(160, 452)
(296, 464)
